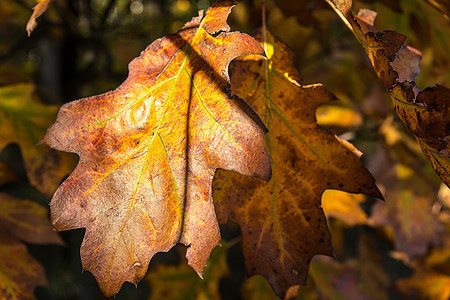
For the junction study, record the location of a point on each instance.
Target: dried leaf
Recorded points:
(282, 223)
(23, 121)
(20, 273)
(181, 282)
(149, 149)
(426, 113)
(38, 10)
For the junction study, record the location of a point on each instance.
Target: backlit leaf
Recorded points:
(23, 120)
(425, 113)
(282, 223)
(149, 150)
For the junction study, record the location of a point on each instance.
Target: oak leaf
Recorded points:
(149, 150)
(282, 223)
(23, 120)
(425, 113)
(22, 221)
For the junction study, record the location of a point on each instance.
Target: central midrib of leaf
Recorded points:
(147, 160)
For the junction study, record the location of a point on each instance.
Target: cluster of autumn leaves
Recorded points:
(149, 151)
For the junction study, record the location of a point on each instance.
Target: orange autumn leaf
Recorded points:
(283, 225)
(149, 150)
(425, 113)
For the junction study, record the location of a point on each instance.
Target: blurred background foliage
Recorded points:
(399, 249)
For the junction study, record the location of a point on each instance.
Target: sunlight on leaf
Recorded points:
(149, 150)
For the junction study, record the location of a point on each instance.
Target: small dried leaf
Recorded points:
(38, 10)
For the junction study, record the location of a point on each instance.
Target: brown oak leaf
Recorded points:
(425, 113)
(38, 10)
(149, 150)
(282, 223)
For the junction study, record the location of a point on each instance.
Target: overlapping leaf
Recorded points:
(23, 120)
(282, 223)
(22, 221)
(149, 149)
(427, 113)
